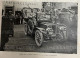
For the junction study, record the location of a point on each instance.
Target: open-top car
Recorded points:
(43, 28)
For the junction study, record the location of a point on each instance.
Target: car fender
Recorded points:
(40, 29)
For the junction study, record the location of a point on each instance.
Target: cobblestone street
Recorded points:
(20, 42)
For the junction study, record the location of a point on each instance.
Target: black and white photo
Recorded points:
(45, 27)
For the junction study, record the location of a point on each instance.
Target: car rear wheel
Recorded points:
(60, 36)
(38, 38)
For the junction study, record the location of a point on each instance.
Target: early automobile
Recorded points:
(43, 28)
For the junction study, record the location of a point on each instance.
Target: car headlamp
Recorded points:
(49, 30)
(62, 28)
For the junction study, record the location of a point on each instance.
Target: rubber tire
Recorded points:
(41, 36)
(61, 35)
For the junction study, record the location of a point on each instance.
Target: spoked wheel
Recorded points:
(30, 26)
(60, 36)
(27, 30)
(38, 38)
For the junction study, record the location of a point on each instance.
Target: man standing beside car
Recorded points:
(4, 31)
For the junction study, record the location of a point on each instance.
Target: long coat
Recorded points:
(4, 31)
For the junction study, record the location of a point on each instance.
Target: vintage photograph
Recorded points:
(45, 27)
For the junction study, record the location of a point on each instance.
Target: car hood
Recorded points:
(45, 24)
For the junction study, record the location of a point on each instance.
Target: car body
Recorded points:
(43, 28)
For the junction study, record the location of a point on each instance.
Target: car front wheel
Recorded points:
(38, 38)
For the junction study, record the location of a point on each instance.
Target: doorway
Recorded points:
(9, 8)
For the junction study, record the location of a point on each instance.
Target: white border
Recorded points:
(41, 55)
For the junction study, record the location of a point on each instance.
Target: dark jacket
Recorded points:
(4, 30)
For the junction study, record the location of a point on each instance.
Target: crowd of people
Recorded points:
(18, 19)
(8, 21)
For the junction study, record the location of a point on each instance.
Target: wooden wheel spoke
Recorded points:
(38, 38)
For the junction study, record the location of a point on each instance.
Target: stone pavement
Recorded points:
(22, 43)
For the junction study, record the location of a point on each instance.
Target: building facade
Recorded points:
(18, 6)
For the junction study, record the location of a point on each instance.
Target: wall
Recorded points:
(19, 5)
